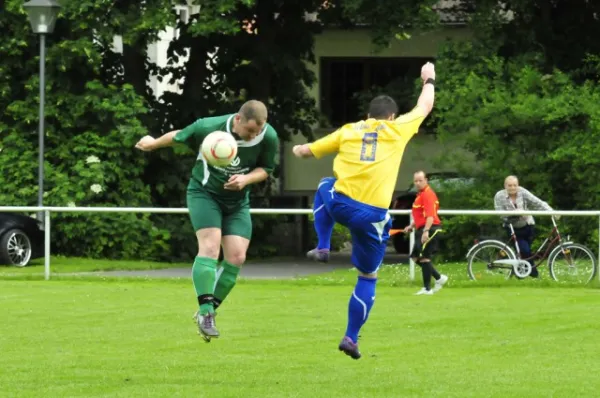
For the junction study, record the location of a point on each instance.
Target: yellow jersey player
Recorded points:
(365, 170)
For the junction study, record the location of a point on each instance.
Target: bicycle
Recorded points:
(504, 262)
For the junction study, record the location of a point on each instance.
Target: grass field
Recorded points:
(135, 338)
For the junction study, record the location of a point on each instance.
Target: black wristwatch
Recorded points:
(430, 81)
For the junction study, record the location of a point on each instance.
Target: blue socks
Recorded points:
(360, 305)
(323, 223)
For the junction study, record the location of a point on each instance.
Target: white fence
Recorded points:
(157, 210)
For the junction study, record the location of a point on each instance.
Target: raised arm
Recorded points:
(409, 123)
(426, 99)
(191, 135)
(149, 143)
(321, 147)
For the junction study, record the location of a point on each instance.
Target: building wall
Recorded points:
(301, 176)
(422, 152)
(357, 43)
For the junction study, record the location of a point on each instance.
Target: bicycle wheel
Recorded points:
(572, 262)
(481, 257)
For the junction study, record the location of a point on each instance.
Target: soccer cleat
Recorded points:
(206, 326)
(349, 348)
(320, 255)
(424, 292)
(440, 283)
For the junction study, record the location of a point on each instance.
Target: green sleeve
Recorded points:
(268, 155)
(193, 135)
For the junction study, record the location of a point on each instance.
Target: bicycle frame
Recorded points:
(553, 240)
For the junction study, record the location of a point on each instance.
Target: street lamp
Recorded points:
(42, 16)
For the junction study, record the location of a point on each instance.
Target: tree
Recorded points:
(260, 50)
(99, 102)
(93, 120)
(522, 107)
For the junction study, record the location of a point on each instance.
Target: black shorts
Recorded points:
(430, 247)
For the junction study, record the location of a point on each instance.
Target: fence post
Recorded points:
(410, 249)
(47, 244)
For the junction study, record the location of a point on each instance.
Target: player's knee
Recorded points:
(209, 244)
(207, 249)
(236, 258)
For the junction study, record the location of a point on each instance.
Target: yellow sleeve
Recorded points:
(326, 145)
(409, 122)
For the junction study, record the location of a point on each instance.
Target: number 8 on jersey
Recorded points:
(369, 147)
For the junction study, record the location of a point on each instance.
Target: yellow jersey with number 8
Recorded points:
(368, 158)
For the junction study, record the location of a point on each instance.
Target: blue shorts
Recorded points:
(368, 225)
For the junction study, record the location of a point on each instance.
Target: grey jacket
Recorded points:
(525, 201)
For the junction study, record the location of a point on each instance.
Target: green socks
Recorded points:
(210, 289)
(203, 276)
(225, 282)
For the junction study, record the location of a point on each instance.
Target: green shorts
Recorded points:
(206, 211)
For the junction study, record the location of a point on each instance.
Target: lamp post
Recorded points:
(42, 16)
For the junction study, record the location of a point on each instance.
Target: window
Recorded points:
(346, 84)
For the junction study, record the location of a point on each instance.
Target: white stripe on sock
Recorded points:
(318, 208)
(361, 303)
(217, 276)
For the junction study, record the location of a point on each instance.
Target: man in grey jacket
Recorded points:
(514, 197)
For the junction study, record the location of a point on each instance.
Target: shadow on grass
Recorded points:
(396, 275)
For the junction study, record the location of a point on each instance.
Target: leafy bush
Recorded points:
(339, 237)
(516, 119)
(91, 165)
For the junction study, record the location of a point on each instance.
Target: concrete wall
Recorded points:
(302, 175)
(357, 43)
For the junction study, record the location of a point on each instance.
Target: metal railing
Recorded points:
(47, 210)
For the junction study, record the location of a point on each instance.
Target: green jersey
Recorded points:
(258, 152)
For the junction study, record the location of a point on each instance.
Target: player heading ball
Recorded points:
(217, 198)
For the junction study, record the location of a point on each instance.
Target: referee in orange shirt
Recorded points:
(428, 227)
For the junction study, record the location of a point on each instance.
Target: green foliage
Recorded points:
(339, 238)
(516, 119)
(387, 20)
(99, 103)
(91, 127)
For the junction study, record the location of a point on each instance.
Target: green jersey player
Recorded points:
(217, 199)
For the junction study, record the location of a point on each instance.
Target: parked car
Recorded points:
(405, 199)
(21, 239)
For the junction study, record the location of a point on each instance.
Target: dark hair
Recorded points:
(382, 107)
(424, 174)
(254, 110)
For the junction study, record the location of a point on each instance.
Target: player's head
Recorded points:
(250, 120)
(511, 184)
(383, 107)
(420, 180)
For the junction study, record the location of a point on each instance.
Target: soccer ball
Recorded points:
(219, 148)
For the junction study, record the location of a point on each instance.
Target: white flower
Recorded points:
(71, 204)
(92, 159)
(96, 188)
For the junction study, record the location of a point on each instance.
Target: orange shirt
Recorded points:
(426, 205)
